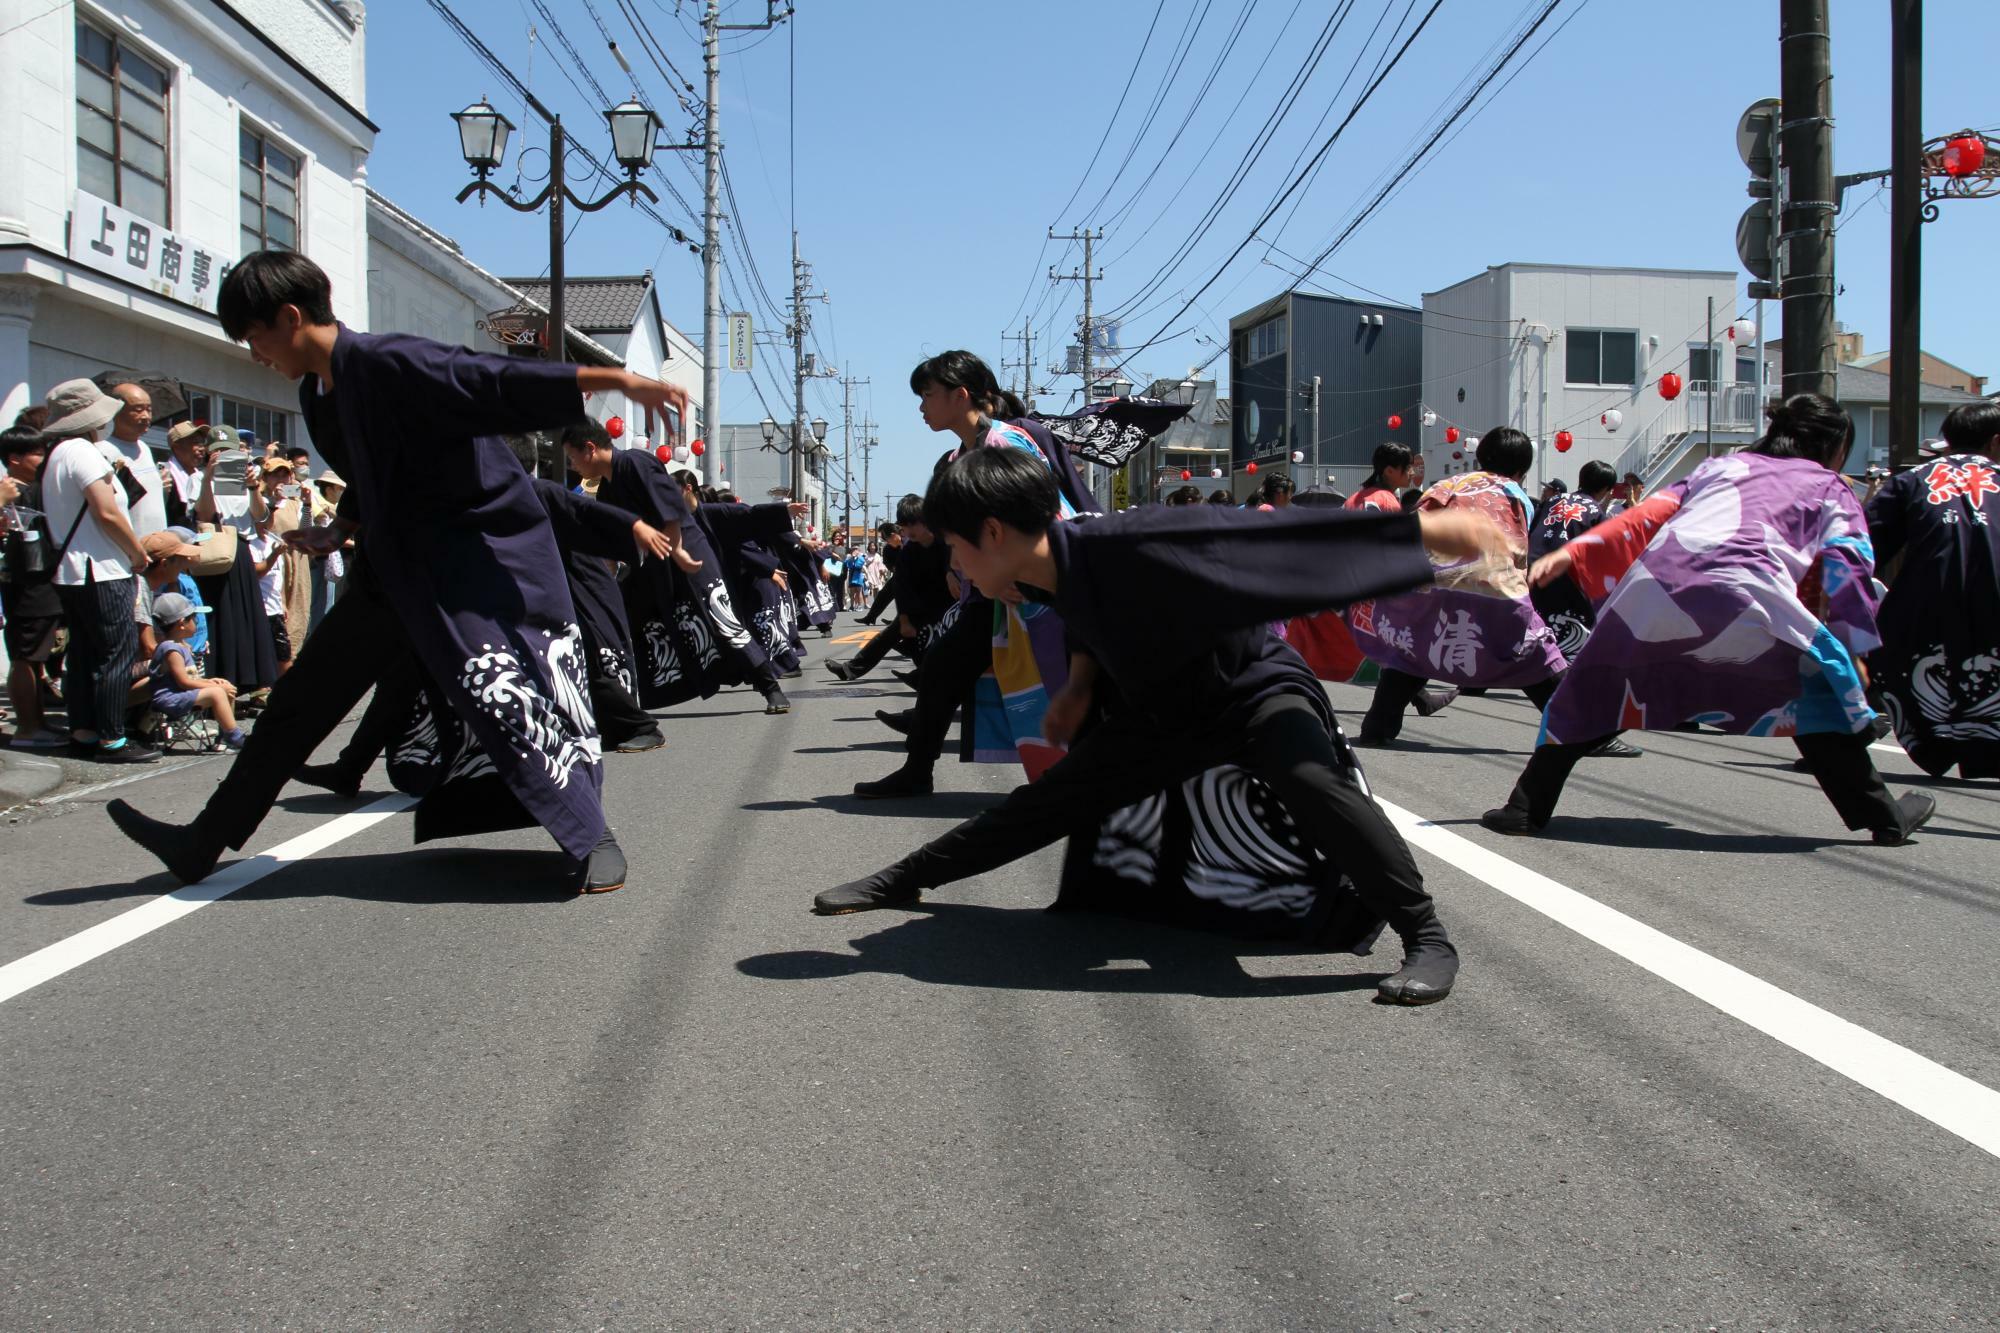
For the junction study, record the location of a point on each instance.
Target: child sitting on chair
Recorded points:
(177, 690)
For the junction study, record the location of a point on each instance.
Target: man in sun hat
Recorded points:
(100, 557)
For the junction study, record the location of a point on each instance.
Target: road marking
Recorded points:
(150, 771)
(1885, 747)
(1942, 1096)
(45, 964)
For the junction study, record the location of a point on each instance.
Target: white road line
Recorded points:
(1886, 747)
(45, 964)
(1945, 1098)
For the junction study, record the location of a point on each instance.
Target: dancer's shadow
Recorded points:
(1660, 836)
(1944, 781)
(1027, 949)
(432, 876)
(1405, 745)
(844, 749)
(943, 805)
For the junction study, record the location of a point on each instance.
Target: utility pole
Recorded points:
(1315, 420)
(847, 456)
(1089, 277)
(868, 443)
(801, 324)
(1906, 230)
(1805, 137)
(1026, 337)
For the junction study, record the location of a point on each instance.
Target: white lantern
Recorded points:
(1215, 472)
(1298, 455)
(1743, 331)
(1430, 418)
(1470, 444)
(1613, 419)
(681, 454)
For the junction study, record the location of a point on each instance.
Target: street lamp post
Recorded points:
(482, 137)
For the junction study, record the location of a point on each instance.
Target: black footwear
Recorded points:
(604, 870)
(1915, 809)
(131, 752)
(1615, 748)
(1430, 966)
(639, 744)
(1366, 742)
(1508, 820)
(900, 723)
(841, 668)
(793, 674)
(909, 678)
(186, 854)
(775, 702)
(1434, 701)
(905, 781)
(865, 620)
(865, 895)
(329, 777)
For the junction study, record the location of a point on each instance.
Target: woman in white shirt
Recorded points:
(101, 555)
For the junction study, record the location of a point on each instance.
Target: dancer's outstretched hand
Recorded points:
(652, 541)
(1550, 567)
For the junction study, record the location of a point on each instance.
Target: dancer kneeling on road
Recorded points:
(1719, 621)
(1210, 656)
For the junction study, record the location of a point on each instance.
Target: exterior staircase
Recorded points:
(1669, 446)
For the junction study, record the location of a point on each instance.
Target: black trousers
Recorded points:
(359, 643)
(882, 599)
(950, 668)
(103, 648)
(395, 695)
(838, 587)
(1397, 690)
(1839, 763)
(1122, 761)
(873, 651)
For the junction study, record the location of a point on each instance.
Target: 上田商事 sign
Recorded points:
(105, 237)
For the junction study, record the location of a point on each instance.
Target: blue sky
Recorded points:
(937, 143)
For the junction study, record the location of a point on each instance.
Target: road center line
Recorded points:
(45, 964)
(1942, 1096)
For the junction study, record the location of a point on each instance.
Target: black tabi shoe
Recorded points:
(604, 869)
(1431, 702)
(841, 668)
(329, 777)
(1915, 809)
(1616, 748)
(1364, 741)
(866, 895)
(909, 678)
(775, 702)
(639, 744)
(900, 723)
(793, 674)
(131, 752)
(187, 855)
(1513, 822)
(1430, 967)
(904, 782)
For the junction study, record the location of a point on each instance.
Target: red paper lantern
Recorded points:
(1457, 454)
(1395, 422)
(1252, 467)
(1451, 435)
(1670, 386)
(1563, 441)
(665, 453)
(1186, 475)
(698, 448)
(1963, 156)
(615, 427)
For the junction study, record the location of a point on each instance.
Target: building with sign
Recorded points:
(148, 144)
(622, 315)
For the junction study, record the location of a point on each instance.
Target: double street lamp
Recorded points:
(482, 139)
(818, 428)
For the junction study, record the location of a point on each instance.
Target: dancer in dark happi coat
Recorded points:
(1171, 609)
(686, 629)
(807, 582)
(466, 558)
(1938, 668)
(1563, 606)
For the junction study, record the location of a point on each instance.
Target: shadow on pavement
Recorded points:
(944, 805)
(1660, 836)
(858, 745)
(428, 876)
(1030, 949)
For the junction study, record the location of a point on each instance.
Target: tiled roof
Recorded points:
(1858, 384)
(595, 305)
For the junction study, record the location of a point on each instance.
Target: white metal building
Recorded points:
(1553, 347)
(148, 144)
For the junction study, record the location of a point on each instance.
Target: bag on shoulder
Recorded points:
(218, 551)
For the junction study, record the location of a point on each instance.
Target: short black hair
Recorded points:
(586, 432)
(1969, 428)
(1279, 484)
(1221, 498)
(1003, 484)
(1505, 452)
(1809, 426)
(17, 440)
(264, 282)
(886, 529)
(298, 451)
(909, 509)
(1597, 475)
(684, 477)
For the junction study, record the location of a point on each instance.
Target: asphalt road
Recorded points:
(388, 1087)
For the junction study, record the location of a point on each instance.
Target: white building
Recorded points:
(739, 460)
(147, 145)
(1548, 348)
(622, 315)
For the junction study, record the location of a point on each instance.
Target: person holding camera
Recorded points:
(97, 557)
(27, 591)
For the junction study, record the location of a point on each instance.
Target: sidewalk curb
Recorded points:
(25, 778)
